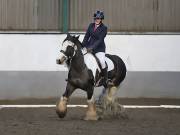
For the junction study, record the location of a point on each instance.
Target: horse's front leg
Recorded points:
(61, 107)
(91, 110)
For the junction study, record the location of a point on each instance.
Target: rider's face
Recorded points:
(97, 21)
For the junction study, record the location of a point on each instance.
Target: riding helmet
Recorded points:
(99, 15)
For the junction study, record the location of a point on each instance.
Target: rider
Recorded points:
(94, 41)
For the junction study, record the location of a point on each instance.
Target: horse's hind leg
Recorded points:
(91, 110)
(61, 107)
(108, 93)
(113, 104)
(111, 93)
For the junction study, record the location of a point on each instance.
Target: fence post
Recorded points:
(65, 15)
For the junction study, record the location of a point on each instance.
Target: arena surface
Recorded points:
(44, 121)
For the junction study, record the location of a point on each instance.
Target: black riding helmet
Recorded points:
(99, 15)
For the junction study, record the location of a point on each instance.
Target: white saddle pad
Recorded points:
(91, 63)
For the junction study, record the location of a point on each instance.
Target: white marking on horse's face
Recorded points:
(66, 44)
(62, 56)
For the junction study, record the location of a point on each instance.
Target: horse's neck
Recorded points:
(77, 62)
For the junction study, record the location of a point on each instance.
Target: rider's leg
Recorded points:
(101, 57)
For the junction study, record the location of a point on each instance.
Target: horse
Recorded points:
(84, 73)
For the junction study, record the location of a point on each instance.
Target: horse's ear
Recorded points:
(68, 35)
(78, 37)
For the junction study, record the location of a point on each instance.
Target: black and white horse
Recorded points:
(84, 73)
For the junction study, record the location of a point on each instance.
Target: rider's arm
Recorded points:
(86, 37)
(100, 38)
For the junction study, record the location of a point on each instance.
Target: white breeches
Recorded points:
(101, 57)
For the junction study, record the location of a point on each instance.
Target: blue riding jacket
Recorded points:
(95, 39)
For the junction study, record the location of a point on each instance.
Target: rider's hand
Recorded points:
(89, 50)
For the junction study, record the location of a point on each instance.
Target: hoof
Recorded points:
(61, 108)
(61, 114)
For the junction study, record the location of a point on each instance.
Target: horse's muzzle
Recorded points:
(60, 61)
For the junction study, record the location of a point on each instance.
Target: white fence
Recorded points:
(140, 52)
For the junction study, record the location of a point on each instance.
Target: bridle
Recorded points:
(74, 52)
(68, 58)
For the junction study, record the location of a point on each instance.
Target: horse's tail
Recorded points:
(120, 69)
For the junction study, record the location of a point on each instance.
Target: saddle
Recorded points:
(97, 60)
(99, 75)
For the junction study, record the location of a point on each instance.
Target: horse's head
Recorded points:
(68, 48)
